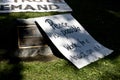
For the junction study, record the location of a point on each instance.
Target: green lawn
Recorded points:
(98, 18)
(60, 69)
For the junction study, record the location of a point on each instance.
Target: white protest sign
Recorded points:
(7, 6)
(72, 40)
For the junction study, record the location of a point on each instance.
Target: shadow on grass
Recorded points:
(101, 19)
(10, 66)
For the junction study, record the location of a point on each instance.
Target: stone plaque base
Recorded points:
(31, 44)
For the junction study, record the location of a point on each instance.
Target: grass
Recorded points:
(104, 69)
(62, 70)
(100, 19)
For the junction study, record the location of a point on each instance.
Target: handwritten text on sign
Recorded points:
(33, 6)
(72, 40)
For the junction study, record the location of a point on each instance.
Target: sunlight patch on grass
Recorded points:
(32, 14)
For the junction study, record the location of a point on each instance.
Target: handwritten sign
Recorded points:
(72, 40)
(33, 6)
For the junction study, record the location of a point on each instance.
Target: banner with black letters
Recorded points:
(7, 6)
(71, 39)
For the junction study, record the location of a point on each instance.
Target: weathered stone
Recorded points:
(31, 43)
(32, 52)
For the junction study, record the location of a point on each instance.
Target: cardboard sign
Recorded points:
(7, 6)
(72, 40)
